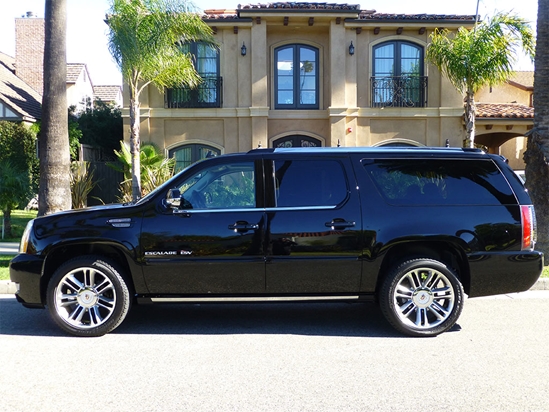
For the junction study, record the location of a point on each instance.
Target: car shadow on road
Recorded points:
(323, 319)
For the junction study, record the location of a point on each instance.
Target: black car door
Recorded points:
(213, 242)
(313, 226)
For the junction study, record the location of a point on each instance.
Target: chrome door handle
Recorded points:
(339, 224)
(243, 226)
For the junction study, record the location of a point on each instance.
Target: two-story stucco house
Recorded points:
(309, 74)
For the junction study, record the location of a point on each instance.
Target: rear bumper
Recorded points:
(26, 271)
(495, 273)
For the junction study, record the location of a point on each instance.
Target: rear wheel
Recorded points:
(421, 297)
(87, 296)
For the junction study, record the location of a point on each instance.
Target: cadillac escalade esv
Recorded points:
(413, 228)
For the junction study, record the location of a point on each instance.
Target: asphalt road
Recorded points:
(279, 357)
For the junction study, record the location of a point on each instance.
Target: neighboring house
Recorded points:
(111, 94)
(309, 74)
(79, 86)
(18, 101)
(504, 114)
(22, 77)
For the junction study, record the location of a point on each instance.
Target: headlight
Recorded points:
(25, 238)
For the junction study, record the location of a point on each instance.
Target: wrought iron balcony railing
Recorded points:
(209, 93)
(399, 91)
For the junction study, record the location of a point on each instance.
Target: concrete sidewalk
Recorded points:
(9, 248)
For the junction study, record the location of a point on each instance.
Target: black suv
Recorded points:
(414, 228)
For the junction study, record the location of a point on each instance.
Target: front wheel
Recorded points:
(421, 297)
(87, 296)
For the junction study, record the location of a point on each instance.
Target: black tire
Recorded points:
(87, 296)
(421, 297)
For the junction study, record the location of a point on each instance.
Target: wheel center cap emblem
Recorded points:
(87, 298)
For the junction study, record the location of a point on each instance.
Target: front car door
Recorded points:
(212, 243)
(313, 227)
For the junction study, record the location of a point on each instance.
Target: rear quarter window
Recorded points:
(439, 182)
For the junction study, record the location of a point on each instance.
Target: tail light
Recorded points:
(528, 217)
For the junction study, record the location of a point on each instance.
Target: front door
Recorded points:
(213, 242)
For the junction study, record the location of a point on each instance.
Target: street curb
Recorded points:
(9, 288)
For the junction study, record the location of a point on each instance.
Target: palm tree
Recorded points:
(537, 151)
(484, 56)
(144, 40)
(155, 169)
(54, 193)
(15, 188)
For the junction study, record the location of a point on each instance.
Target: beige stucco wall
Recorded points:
(247, 118)
(504, 93)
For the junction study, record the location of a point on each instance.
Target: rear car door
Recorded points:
(313, 225)
(213, 242)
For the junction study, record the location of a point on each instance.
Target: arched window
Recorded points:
(208, 93)
(297, 140)
(296, 77)
(188, 154)
(398, 75)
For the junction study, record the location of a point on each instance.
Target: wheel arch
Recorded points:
(445, 252)
(112, 252)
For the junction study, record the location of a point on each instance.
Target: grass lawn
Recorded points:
(4, 262)
(19, 219)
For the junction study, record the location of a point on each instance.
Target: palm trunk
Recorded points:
(7, 223)
(135, 146)
(537, 152)
(54, 192)
(470, 116)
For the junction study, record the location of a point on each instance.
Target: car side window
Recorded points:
(227, 186)
(304, 183)
(439, 182)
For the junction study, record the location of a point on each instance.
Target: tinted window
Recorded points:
(302, 183)
(450, 182)
(228, 186)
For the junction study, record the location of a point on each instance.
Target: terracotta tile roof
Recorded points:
(504, 111)
(106, 93)
(368, 15)
(16, 94)
(229, 14)
(303, 6)
(73, 71)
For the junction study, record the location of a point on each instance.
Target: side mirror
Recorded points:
(173, 199)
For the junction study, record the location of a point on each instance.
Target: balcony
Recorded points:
(399, 91)
(209, 93)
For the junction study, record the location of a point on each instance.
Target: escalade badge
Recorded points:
(161, 253)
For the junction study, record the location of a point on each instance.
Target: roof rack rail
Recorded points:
(262, 149)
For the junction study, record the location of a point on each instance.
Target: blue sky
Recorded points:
(87, 41)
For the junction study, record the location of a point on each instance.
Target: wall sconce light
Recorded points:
(351, 49)
(243, 49)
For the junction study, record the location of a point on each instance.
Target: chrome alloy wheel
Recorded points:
(423, 298)
(85, 298)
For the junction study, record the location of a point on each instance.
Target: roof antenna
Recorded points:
(447, 142)
(259, 145)
(338, 144)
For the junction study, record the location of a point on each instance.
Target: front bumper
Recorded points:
(26, 271)
(496, 273)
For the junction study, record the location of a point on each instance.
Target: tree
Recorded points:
(144, 40)
(18, 146)
(14, 191)
(537, 150)
(484, 56)
(102, 127)
(55, 193)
